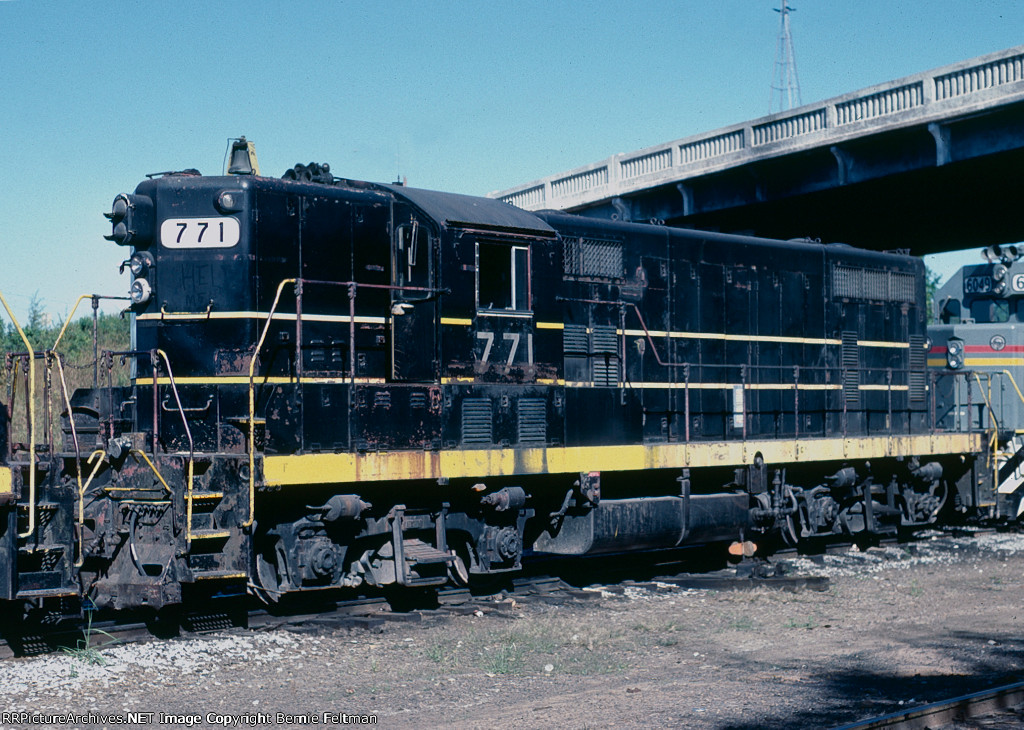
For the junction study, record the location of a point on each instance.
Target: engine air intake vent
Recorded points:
(918, 372)
(532, 426)
(851, 370)
(477, 421)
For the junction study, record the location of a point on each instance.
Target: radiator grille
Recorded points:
(849, 282)
(591, 257)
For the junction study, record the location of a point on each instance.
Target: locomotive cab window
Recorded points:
(950, 313)
(412, 256)
(503, 277)
(990, 310)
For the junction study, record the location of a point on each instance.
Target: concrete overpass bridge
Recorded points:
(932, 162)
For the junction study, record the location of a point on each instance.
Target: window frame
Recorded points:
(519, 262)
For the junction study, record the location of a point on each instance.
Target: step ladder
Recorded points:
(418, 563)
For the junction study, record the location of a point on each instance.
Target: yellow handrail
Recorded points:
(67, 320)
(150, 464)
(994, 440)
(81, 503)
(31, 422)
(1013, 382)
(252, 402)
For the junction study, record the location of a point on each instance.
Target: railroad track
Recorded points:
(371, 612)
(548, 580)
(994, 708)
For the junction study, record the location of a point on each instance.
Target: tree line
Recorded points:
(77, 359)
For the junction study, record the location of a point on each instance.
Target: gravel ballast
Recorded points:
(899, 626)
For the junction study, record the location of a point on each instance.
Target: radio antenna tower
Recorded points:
(786, 84)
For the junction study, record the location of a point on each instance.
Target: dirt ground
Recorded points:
(896, 628)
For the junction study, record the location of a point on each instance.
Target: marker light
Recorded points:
(955, 353)
(132, 220)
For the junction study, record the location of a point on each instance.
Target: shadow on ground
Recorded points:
(847, 696)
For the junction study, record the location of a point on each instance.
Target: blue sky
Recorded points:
(461, 96)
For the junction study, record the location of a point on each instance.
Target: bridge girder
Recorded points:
(936, 187)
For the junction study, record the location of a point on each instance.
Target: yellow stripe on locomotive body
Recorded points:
(323, 468)
(468, 380)
(6, 485)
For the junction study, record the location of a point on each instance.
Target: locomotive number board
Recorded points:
(200, 232)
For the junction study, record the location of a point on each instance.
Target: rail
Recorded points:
(946, 712)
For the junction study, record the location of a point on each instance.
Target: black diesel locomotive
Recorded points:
(339, 383)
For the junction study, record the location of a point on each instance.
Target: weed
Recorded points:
(810, 623)
(440, 653)
(742, 624)
(83, 650)
(505, 658)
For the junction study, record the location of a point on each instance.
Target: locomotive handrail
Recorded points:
(298, 283)
(994, 438)
(1013, 382)
(95, 334)
(31, 422)
(81, 503)
(149, 463)
(164, 314)
(252, 401)
(78, 454)
(191, 445)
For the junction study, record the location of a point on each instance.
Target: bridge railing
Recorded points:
(925, 98)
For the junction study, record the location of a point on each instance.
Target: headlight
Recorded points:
(140, 292)
(955, 353)
(140, 263)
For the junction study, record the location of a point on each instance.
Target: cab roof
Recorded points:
(452, 209)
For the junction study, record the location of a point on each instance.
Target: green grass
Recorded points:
(84, 651)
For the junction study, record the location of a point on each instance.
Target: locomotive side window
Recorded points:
(503, 276)
(990, 310)
(950, 313)
(412, 255)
